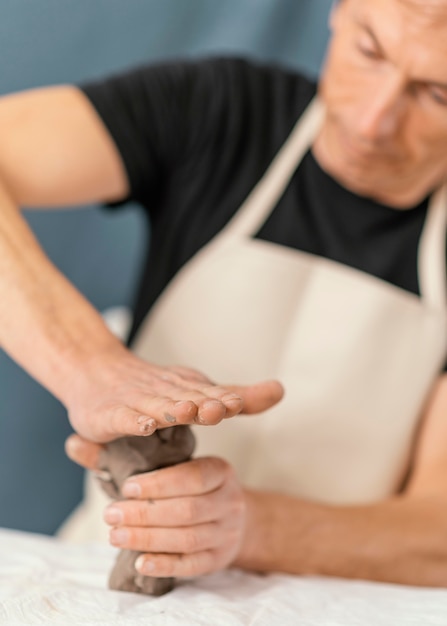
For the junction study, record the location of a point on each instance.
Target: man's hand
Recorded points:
(188, 520)
(125, 395)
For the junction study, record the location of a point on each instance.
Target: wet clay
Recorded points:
(135, 455)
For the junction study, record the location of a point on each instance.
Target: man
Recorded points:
(331, 278)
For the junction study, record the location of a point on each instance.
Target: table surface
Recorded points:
(47, 581)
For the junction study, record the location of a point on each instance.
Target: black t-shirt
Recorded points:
(195, 138)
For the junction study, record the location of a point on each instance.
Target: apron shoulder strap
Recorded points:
(432, 252)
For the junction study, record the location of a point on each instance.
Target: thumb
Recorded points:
(83, 452)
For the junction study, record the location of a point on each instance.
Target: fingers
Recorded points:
(188, 406)
(148, 413)
(132, 397)
(168, 540)
(180, 552)
(83, 452)
(207, 405)
(183, 384)
(169, 512)
(195, 402)
(259, 397)
(188, 373)
(194, 477)
(190, 519)
(191, 381)
(179, 565)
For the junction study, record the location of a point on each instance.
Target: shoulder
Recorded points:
(226, 77)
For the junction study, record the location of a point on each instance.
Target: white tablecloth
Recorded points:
(47, 581)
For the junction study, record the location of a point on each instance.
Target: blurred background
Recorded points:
(60, 41)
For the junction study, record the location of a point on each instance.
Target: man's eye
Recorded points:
(368, 51)
(438, 95)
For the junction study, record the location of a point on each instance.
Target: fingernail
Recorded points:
(170, 418)
(113, 516)
(131, 490)
(232, 397)
(119, 536)
(147, 425)
(72, 445)
(144, 565)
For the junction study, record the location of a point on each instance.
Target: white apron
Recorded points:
(357, 356)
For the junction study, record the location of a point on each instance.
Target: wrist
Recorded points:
(82, 364)
(70, 343)
(254, 553)
(279, 534)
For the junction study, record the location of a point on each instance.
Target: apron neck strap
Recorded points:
(432, 252)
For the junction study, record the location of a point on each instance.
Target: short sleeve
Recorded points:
(157, 114)
(144, 111)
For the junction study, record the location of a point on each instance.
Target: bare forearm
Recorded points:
(45, 323)
(401, 540)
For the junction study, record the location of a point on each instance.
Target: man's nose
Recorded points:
(381, 112)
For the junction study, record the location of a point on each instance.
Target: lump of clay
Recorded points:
(126, 457)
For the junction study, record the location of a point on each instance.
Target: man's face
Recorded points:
(385, 89)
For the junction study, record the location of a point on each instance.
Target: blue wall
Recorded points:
(53, 41)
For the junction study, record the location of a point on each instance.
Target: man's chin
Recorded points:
(360, 172)
(376, 189)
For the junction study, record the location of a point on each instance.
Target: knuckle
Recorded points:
(238, 507)
(209, 472)
(215, 463)
(234, 537)
(153, 486)
(213, 390)
(145, 541)
(115, 419)
(222, 468)
(227, 469)
(132, 536)
(140, 514)
(191, 542)
(187, 511)
(220, 463)
(150, 403)
(191, 566)
(206, 562)
(168, 566)
(199, 475)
